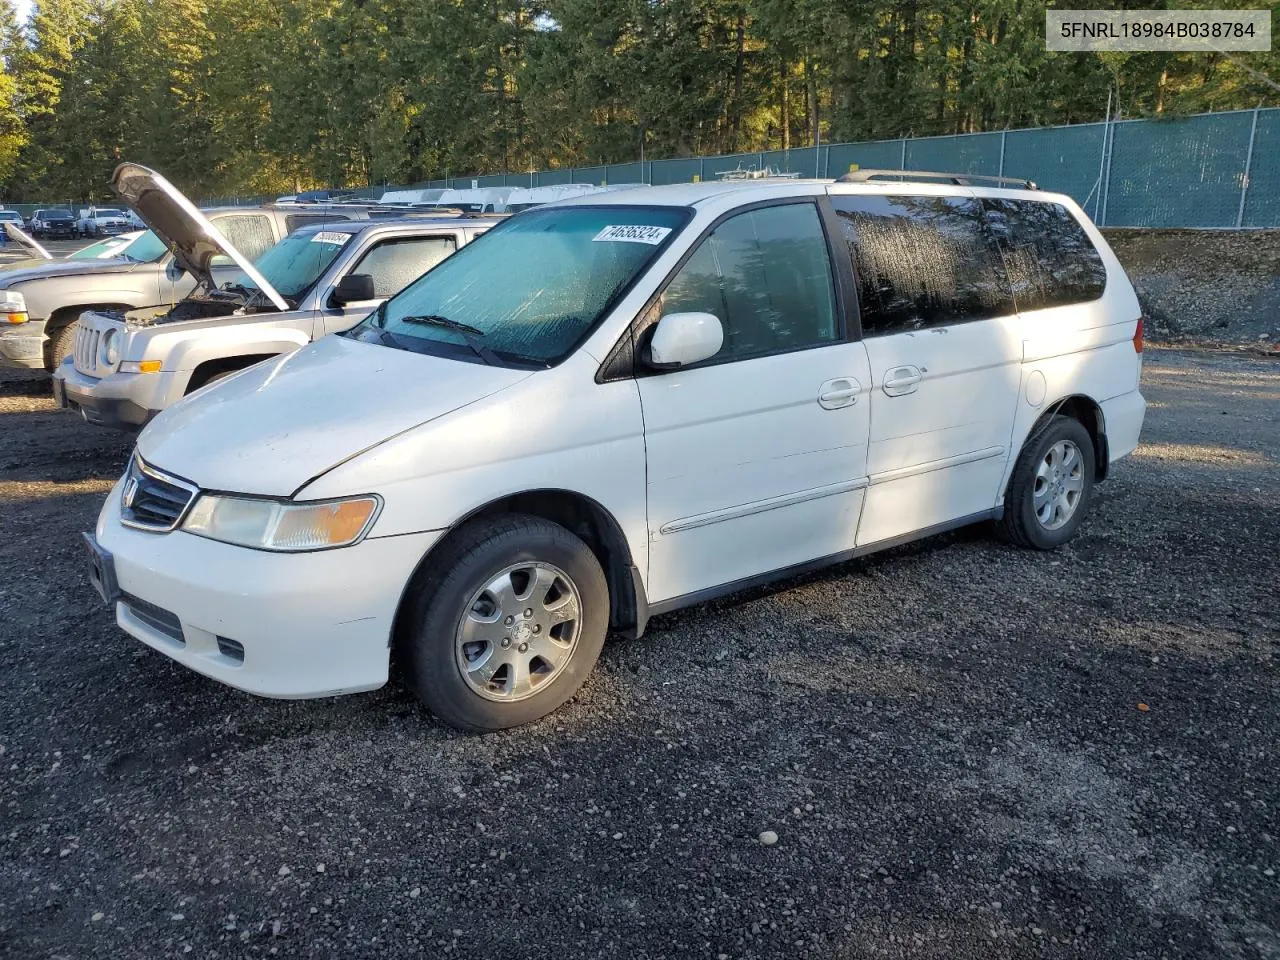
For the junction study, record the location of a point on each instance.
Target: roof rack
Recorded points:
(959, 179)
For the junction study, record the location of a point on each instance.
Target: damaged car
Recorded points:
(42, 297)
(127, 366)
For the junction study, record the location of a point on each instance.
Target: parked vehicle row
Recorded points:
(597, 411)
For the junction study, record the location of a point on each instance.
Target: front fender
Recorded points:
(186, 353)
(44, 297)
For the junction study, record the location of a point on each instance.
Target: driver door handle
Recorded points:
(837, 393)
(902, 380)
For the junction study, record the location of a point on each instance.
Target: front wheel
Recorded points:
(505, 624)
(62, 345)
(1051, 486)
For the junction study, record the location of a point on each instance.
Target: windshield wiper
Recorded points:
(470, 335)
(435, 320)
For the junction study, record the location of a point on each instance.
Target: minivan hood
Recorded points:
(20, 236)
(282, 423)
(192, 238)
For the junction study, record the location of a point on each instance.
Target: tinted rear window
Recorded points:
(922, 262)
(1050, 259)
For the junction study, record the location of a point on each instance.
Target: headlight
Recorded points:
(13, 306)
(272, 525)
(109, 351)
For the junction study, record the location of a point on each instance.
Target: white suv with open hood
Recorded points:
(617, 406)
(322, 278)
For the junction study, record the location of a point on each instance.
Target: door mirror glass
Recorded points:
(354, 288)
(173, 270)
(681, 339)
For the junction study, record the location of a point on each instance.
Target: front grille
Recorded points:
(157, 618)
(152, 500)
(86, 349)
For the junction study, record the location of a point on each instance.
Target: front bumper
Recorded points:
(126, 401)
(300, 625)
(22, 345)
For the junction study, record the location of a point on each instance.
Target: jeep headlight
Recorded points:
(109, 349)
(275, 525)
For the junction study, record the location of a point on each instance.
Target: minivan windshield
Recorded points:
(296, 262)
(530, 289)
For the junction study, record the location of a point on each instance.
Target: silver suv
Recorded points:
(127, 367)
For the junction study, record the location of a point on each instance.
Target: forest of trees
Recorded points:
(258, 96)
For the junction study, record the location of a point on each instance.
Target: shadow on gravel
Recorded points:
(25, 383)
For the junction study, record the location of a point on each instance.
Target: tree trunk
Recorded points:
(736, 116)
(811, 100)
(785, 113)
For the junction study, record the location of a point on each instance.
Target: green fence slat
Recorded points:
(1262, 202)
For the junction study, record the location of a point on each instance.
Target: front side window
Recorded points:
(394, 264)
(296, 262)
(922, 262)
(528, 291)
(251, 235)
(767, 276)
(1050, 259)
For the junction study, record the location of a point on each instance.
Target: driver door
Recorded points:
(757, 456)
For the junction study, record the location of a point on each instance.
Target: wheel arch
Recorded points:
(210, 368)
(582, 516)
(1085, 410)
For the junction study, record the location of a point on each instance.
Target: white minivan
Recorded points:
(616, 406)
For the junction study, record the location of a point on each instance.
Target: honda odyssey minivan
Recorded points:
(616, 406)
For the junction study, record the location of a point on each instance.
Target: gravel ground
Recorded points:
(948, 741)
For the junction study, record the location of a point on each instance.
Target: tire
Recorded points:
(456, 616)
(1065, 486)
(211, 378)
(61, 345)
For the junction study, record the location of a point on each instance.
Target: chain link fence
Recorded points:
(1208, 171)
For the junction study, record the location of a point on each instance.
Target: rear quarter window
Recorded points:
(1050, 259)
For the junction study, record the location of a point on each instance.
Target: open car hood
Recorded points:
(192, 238)
(18, 235)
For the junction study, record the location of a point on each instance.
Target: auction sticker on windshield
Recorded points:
(633, 233)
(338, 239)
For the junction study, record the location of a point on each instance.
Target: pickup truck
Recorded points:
(43, 296)
(102, 222)
(127, 366)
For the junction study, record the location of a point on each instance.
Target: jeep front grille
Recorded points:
(153, 500)
(86, 349)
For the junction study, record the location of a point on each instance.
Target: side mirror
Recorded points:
(353, 288)
(173, 270)
(684, 338)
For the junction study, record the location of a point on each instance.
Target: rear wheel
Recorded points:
(505, 624)
(1051, 487)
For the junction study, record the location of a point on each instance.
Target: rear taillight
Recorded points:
(1137, 337)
